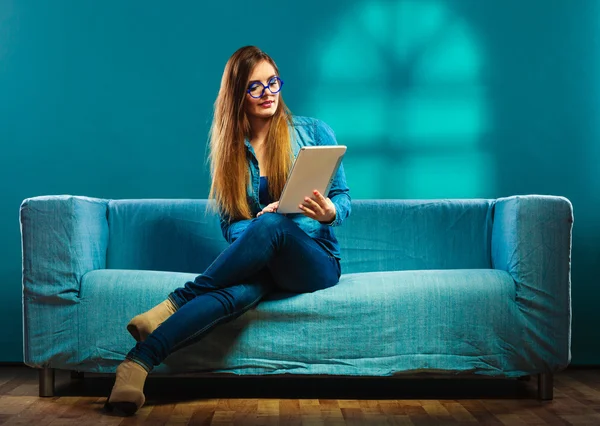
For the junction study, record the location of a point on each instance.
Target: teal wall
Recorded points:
(435, 99)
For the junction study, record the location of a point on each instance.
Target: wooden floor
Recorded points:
(301, 401)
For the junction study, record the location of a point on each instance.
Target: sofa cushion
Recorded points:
(376, 323)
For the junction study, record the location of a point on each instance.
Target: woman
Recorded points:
(253, 141)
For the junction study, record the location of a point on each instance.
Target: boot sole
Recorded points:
(123, 409)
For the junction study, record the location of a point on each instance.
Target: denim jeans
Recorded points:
(272, 253)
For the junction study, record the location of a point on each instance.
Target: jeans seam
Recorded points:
(173, 301)
(139, 362)
(199, 332)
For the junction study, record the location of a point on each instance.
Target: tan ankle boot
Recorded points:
(144, 324)
(127, 395)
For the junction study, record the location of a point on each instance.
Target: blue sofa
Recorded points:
(472, 286)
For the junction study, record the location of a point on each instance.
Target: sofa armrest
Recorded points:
(531, 240)
(62, 237)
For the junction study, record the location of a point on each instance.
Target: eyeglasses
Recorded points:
(257, 89)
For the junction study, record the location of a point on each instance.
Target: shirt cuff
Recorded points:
(332, 223)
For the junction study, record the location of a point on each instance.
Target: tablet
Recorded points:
(314, 168)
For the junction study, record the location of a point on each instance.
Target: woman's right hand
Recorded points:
(271, 208)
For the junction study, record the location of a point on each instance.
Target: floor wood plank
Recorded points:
(305, 401)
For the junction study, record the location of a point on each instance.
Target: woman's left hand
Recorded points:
(271, 208)
(318, 208)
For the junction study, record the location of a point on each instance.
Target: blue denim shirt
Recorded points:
(305, 132)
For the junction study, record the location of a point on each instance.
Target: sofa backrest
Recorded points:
(380, 235)
(162, 235)
(396, 235)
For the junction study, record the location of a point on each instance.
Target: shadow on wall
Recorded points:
(401, 84)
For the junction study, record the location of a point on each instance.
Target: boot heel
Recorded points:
(127, 394)
(134, 329)
(142, 325)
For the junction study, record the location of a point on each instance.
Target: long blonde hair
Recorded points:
(230, 128)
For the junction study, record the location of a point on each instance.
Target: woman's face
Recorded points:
(265, 105)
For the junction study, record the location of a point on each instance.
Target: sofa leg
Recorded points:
(77, 375)
(46, 376)
(546, 386)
